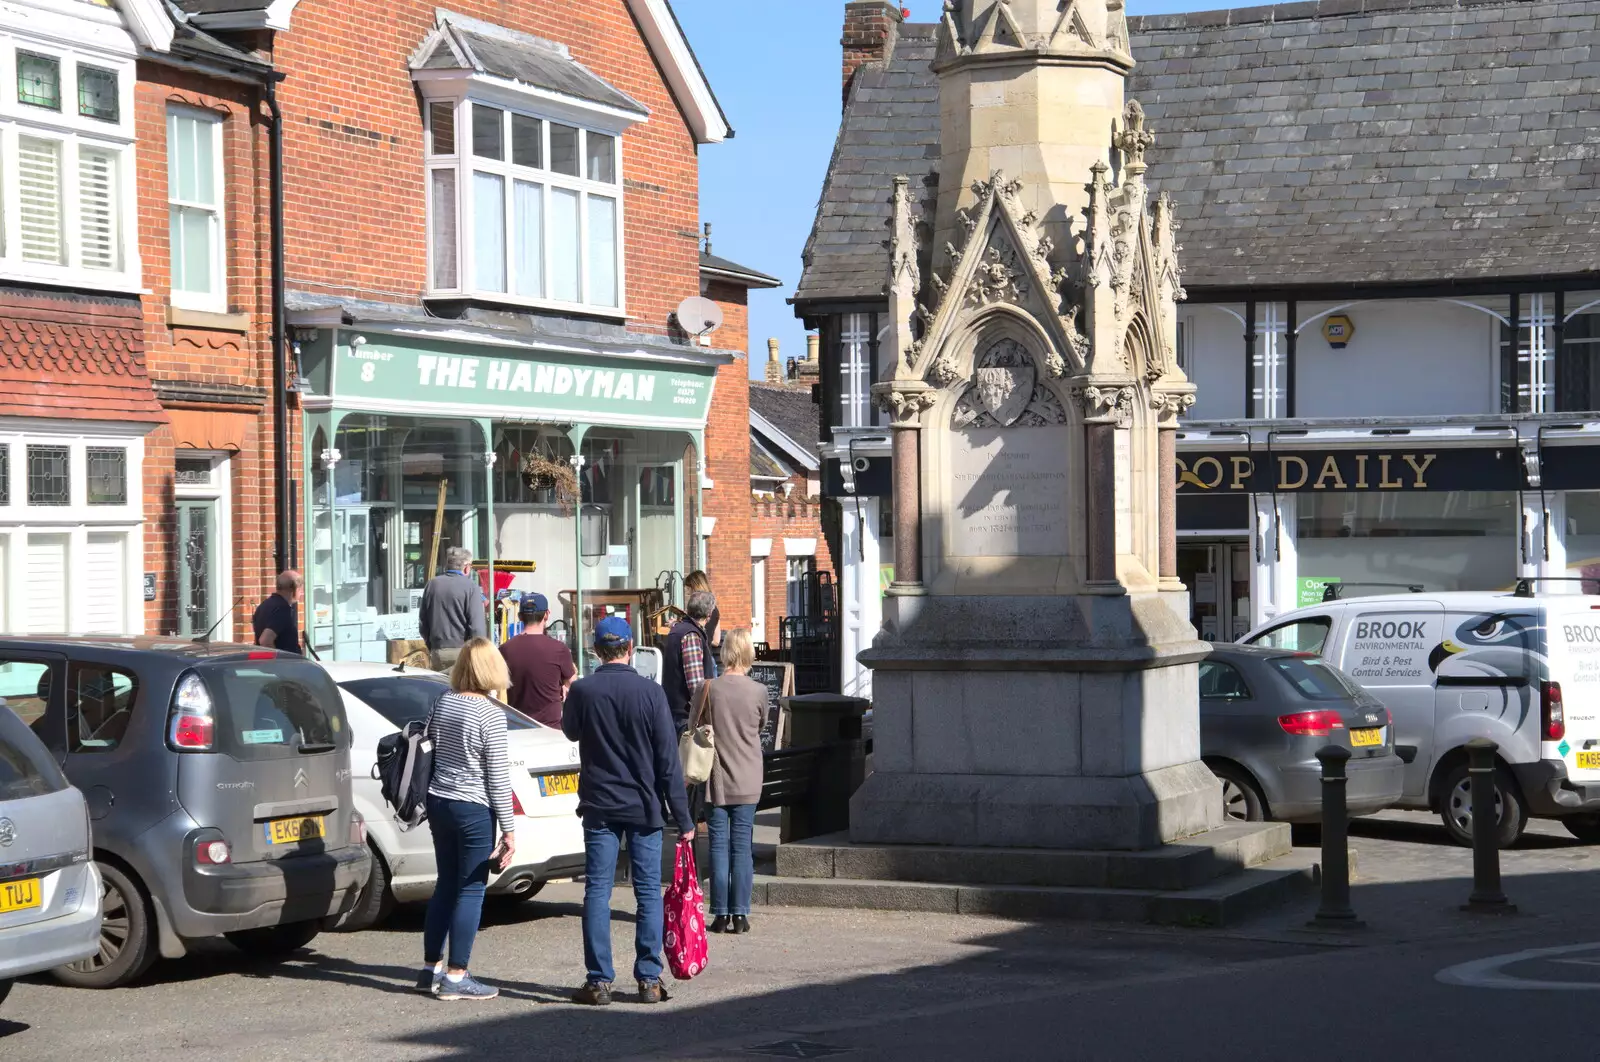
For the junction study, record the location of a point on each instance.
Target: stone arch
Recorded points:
(984, 334)
(1140, 350)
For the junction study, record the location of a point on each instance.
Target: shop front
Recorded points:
(570, 472)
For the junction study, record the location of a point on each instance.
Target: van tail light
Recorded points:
(358, 828)
(213, 853)
(1311, 724)
(191, 721)
(1551, 711)
(516, 805)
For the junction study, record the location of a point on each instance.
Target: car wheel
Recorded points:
(1241, 800)
(1585, 828)
(1457, 809)
(127, 946)
(375, 903)
(275, 942)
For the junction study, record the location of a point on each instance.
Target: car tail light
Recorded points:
(358, 828)
(212, 853)
(1388, 717)
(191, 722)
(1311, 724)
(516, 805)
(1555, 718)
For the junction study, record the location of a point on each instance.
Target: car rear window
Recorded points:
(26, 768)
(1315, 679)
(403, 699)
(269, 709)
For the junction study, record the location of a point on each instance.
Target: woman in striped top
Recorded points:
(468, 796)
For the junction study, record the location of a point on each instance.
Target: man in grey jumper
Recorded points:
(452, 610)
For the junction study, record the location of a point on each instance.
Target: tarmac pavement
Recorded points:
(813, 983)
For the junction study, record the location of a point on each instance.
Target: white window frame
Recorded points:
(461, 93)
(95, 37)
(77, 519)
(216, 300)
(855, 371)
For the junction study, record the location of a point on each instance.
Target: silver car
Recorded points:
(1264, 714)
(49, 887)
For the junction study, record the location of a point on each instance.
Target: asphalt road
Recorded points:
(895, 986)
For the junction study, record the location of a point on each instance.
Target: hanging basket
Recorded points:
(541, 473)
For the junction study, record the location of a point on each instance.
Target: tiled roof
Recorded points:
(764, 465)
(789, 410)
(1346, 141)
(76, 371)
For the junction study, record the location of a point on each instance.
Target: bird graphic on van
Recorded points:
(1500, 652)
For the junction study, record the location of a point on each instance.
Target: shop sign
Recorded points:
(394, 372)
(1569, 467)
(1308, 471)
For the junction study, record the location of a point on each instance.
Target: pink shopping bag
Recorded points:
(685, 937)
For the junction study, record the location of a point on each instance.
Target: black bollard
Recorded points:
(1487, 896)
(1335, 912)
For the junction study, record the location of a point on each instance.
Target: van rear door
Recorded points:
(1385, 647)
(1573, 640)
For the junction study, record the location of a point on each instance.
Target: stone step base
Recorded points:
(1224, 901)
(1181, 865)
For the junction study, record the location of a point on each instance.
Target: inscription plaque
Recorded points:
(1009, 492)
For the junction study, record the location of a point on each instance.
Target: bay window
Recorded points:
(523, 208)
(66, 167)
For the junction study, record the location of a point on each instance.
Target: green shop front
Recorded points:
(567, 468)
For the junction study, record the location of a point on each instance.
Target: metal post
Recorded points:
(1335, 912)
(1487, 896)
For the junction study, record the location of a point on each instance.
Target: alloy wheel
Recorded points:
(1235, 804)
(114, 929)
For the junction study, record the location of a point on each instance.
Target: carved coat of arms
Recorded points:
(1005, 391)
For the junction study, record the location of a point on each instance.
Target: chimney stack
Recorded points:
(774, 365)
(870, 30)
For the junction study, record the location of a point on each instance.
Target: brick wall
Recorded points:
(779, 518)
(225, 365)
(354, 149)
(870, 28)
(728, 461)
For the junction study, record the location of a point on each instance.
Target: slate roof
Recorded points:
(501, 52)
(1340, 141)
(728, 269)
(764, 465)
(789, 410)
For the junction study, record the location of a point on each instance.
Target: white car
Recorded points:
(381, 698)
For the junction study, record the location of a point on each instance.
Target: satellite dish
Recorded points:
(699, 316)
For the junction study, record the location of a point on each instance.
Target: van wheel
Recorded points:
(375, 903)
(1457, 809)
(1585, 828)
(1241, 800)
(127, 946)
(275, 942)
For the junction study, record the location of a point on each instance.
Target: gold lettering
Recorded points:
(1330, 467)
(1216, 480)
(1242, 469)
(1384, 482)
(1411, 460)
(1283, 473)
(1361, 471)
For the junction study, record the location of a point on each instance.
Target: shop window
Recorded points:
(1580, 363)
(514, 448)
(194, 197)
(532, 206)
(49, 475)
(1582, 538)
(1441, 540)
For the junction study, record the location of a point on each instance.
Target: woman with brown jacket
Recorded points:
(733, 705)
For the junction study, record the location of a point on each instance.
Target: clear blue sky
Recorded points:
(775, 66)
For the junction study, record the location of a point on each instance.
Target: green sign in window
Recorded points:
(1310, 590)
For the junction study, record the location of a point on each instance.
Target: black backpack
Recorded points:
(403, 771)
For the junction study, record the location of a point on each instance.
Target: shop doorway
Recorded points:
(1218, 577)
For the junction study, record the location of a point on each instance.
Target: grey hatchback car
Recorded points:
(1264, 714)
(217, 778)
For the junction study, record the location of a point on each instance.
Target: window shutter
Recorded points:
(97, 208)
(107, 573)
(47, 584)
(39, 189)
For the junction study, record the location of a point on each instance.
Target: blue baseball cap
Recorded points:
(612, 632)
(534, 603)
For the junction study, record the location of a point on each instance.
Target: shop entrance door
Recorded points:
(1218, 577)
(197, 565)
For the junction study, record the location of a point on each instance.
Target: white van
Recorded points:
(1519, 668)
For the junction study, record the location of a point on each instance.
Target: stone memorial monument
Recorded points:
(1035, 682)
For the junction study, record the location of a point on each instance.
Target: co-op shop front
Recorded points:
(423, 436)
(1269, 516)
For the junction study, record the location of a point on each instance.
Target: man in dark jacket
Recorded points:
(452, 612)
(686, 661)
(628, 752)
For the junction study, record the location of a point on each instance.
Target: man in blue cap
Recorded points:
(540, 666)
(629, 769)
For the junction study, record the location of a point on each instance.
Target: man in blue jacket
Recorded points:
(628, 749)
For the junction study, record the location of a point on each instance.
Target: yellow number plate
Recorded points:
(1366, 737)
(558, 784)
(20, 895)
(293, 831)
(1589, 761)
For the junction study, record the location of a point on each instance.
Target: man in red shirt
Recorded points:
(541, 667)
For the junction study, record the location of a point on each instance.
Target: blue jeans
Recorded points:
(463, 839)
(601, 842)
(733, 868)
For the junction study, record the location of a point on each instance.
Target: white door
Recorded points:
(758, 599)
